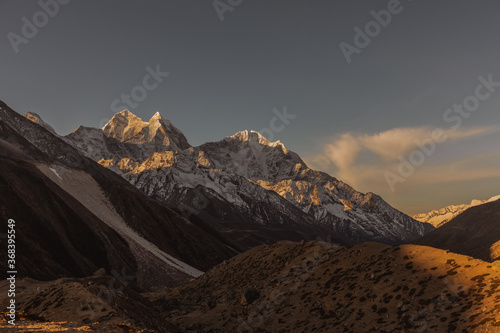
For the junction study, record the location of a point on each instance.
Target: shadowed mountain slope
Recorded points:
(475, 232)
(73, 216)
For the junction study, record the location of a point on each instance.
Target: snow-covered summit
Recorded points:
(254, 136)
(158, 118)
(157, 115)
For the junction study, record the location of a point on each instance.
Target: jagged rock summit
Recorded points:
(128, 136)
(127, 127)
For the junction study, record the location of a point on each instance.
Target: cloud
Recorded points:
(343, 152)
(393, 143)
(362, 159)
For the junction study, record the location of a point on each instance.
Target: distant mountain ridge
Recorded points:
(474, 232)
(262, 182)
(441, 216)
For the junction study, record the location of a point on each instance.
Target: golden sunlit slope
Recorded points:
(95, 304)
(317, 287)
(287, 287)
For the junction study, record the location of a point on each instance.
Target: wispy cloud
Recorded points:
(362, 159)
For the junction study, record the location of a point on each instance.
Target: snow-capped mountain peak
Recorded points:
(158, 121)
(127, 127)
(254, 136)
(157, 115)
(157, 118)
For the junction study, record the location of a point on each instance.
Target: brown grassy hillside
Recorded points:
(287, 287)
(317, 287)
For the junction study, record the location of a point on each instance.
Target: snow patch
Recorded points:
(56, 173)
(85, 189)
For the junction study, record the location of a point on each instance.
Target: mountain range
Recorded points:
(441, 216)
(241, 182)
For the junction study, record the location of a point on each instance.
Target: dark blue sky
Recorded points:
(228, 76)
